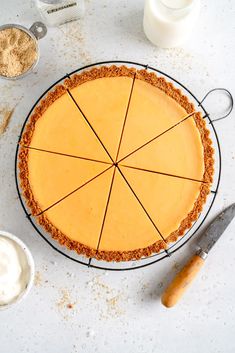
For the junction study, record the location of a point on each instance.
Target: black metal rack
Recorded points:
(119, 266)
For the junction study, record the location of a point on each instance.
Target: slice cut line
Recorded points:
(66, 155)
(161, 173)
(179, 152)
(89, 124)
(124, 123)
(80, 215)
(61, 128)
(133, 230)
(168, 200)
(106, 208)
(52, 177)
(156, 137)
(104, 101)
(151, 112)
(72, 192)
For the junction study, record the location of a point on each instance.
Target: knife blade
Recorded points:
(216, 229)
(185, 277)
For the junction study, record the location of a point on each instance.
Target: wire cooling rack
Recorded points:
(143, 262)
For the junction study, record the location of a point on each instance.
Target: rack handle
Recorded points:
(230, 97)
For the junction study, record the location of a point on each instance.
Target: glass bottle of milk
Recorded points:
(57, 12)
(168, 23)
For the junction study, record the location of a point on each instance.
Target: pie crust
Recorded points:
(74, 81)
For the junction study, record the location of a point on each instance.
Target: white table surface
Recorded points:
(117, 312)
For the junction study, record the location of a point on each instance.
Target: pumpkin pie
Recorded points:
(115, 163)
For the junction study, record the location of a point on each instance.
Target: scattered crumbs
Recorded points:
(70, 275)
(155, 291)
(108, 299)
(176, 56)
(64, 299)
(90, 333)
(53, 263)
(76, 348)
(99, 288)
(112, 302)
(5, 117)
(144, 286)
(15, 130)
(65, 303)
(74, 38)
(38, 279)
(85, 57)
(45, 268)
(113, 308)
(176, 266)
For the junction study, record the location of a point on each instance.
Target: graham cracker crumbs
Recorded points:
(62, 302)
(65, 303)
(112, 303)
(74, 38)
(108, 299)
(144, 286)
(38, 279)
(18, 52)
(5, 117)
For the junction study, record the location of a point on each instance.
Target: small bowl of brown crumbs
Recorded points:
(19, 50)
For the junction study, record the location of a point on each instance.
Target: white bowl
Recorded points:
(31, 269)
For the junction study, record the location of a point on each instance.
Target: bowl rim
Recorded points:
(31, 265)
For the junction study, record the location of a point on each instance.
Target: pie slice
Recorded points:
(178, 152)
(168, 200)
(59, 126)
(151, 112)
(127, 229)
(104, 102)
(76, 221)
(52, 176)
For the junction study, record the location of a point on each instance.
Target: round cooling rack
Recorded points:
(143, 262)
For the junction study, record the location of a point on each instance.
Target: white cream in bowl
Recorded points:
(16, 270)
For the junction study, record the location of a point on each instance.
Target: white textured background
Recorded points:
(121, 312)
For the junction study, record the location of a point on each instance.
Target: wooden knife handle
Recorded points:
(182, 281)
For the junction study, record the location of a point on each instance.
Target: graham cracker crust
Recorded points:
(170, 90)
(98, 72)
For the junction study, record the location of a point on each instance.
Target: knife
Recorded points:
(184, 278)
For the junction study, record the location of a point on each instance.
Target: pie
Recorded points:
(115, 163)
